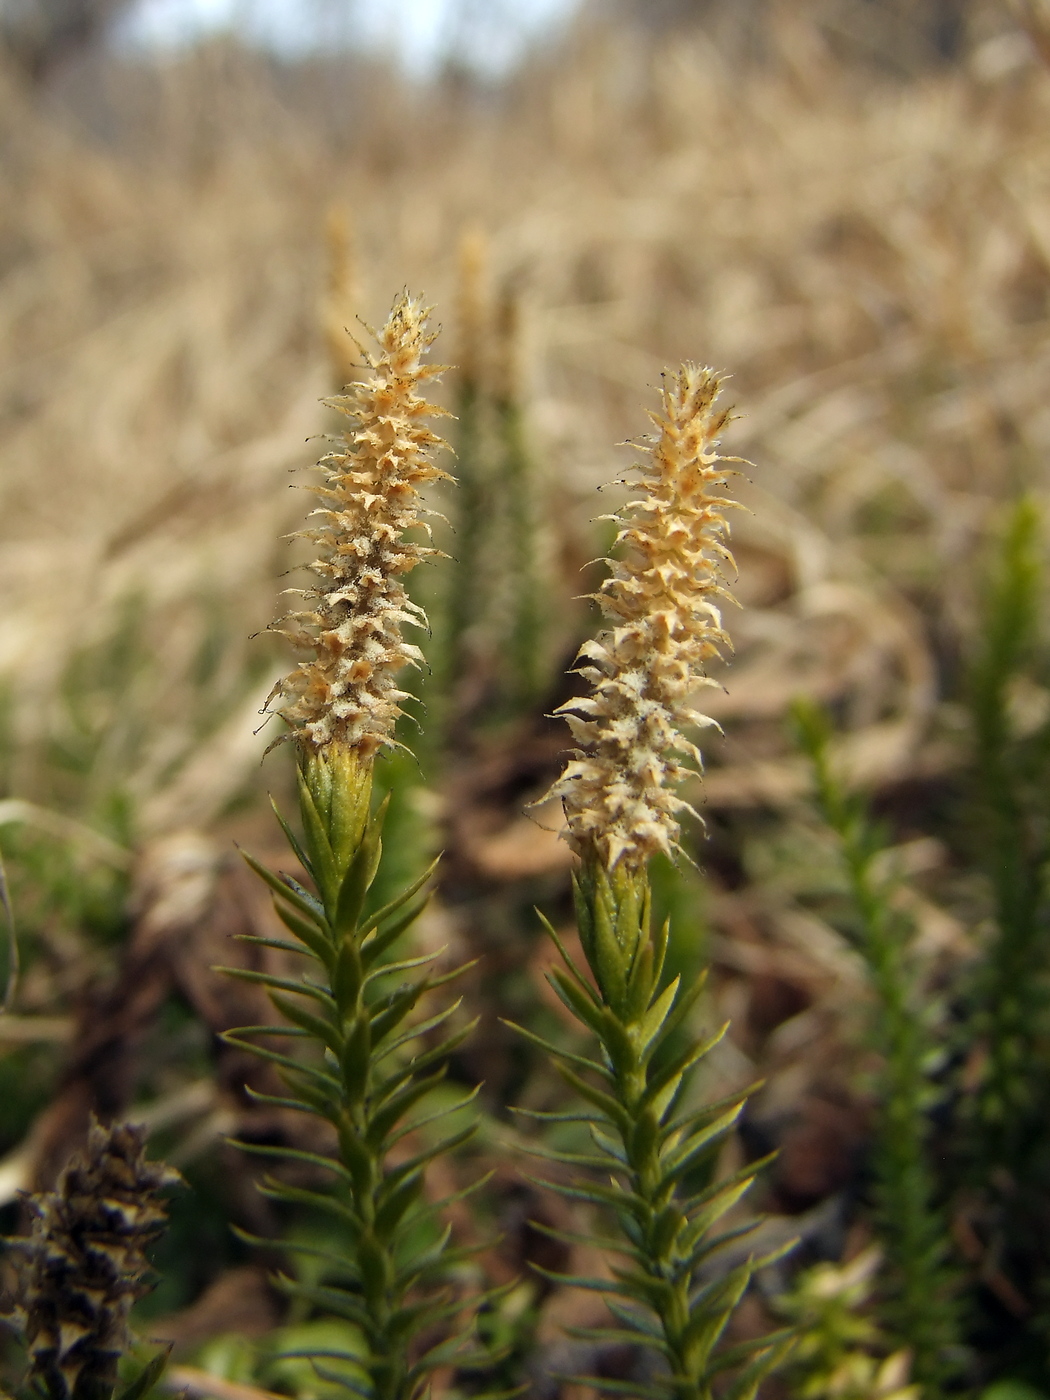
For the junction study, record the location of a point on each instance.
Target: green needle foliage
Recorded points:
(469, 589)
(495, 623)
(669, 1294)
(527, 603)
(918, 1304)
(472, 502)
(397, 1281)
(1011, 798)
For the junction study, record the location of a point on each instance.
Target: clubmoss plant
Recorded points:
(1011, 770)
(919, 1304)
(1005, 1105)
(84, 1264)
(341, 706)
(528, 607)
(618, 793)
(469, 590)
(496, 619)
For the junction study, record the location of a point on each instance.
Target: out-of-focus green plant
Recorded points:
(495, 625)
(285, 1359)
(118, 730)
(1012, 1390)
(470, 593)
(1011, 803)
(841, 1352)
(527, 602)
(1002, 1132)
(919, 1305)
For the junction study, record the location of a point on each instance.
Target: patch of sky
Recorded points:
(488, 35)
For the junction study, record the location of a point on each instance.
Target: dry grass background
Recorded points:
(868, 255)
(868, 258)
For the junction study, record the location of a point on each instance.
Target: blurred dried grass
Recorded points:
(869, 258)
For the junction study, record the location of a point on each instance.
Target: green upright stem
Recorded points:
(343, 812)
(527, 603)
(471, 517)
(915, 1233)
(1013, 847)
(679, 1301)
(917, 1306)
(367, 1082)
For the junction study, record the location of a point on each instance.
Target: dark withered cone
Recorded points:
(84, 1263)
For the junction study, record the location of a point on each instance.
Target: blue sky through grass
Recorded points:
(488, 34)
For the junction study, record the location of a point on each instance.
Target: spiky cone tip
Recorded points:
(662, 600)
(345, 694)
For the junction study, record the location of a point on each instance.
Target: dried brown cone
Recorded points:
(84, 1263)
(346, 692)
(662, 597)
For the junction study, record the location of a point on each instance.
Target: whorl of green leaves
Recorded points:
(393, 1280)
(668, 1293)
(918, 1304)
